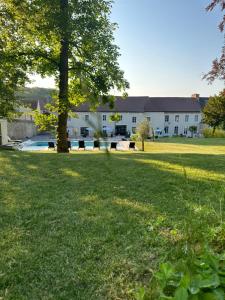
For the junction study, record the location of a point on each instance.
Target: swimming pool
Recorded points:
(43, 145)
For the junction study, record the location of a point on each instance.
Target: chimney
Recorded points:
(195, 96)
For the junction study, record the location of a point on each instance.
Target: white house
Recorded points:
(168, 116)
(3, 132)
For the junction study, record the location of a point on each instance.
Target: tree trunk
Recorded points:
(143, 145)
(214, 129)
(62, 145)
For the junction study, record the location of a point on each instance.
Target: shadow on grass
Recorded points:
(91, 226)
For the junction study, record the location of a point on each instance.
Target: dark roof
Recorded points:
(172, 104)
(149, 104)
(129, 104)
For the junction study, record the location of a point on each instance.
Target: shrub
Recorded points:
(208, 133)
(134, 137)
(200, 277)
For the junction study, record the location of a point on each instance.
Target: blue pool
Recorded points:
(43, 145)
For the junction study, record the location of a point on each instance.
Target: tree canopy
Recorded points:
(143, 131)
(69, 39)
(214, 111)
(218, 64)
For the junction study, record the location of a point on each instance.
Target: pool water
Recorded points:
(43, 145)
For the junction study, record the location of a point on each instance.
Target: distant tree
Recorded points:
(12, 78)
(143, 132)
(214, 111)
(115, 118)
(218, 65)
(70, 40)
(193, 130)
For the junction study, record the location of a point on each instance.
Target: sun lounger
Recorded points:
(51, 145)
(113, 145)
(132, 146)
(96, 144)
(81, 145)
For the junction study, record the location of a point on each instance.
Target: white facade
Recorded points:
(3, 132)
(164, 124)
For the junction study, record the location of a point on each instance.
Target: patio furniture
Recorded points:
(113, 145)
(96, 144)
(14, 141)
(132, 146)
(51, 145)
(69, 145)
(81, 145)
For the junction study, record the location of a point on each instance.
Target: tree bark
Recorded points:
(62, 144)
(143, 145)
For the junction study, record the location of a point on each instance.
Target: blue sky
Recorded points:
(166, 46)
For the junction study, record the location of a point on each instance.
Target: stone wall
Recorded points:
(3, 132)
(21, 129)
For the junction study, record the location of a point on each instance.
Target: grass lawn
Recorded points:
(95, 226)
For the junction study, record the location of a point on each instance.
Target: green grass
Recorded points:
(95, 226)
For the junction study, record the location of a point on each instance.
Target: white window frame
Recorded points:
(134, 119)
(167, 118)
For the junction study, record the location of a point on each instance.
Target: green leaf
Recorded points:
(209, 280)
(167, 270)
(140, 294)
(195, 284)
(185, 281)
(181, 294)
(209, 296)
(219, 293)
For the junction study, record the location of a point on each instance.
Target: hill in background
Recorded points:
(35, 93)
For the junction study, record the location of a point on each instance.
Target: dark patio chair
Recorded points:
(96, 144)
(69, 145)
(81, 145)
(113, 145)
(132, 146)
(51, 145)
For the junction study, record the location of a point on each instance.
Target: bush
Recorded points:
(200, 277)
(135, 137)
(208, 133)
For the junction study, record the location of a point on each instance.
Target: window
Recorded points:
(84, 131)
(133, 130)
(104, 117)
(166, 130)
(177, 118)
(167, 118)
(196, 118)
(185, 130)
(149, 119)
(86, 117)
(120, 117)
(186, 118)
(134, 119)
(176, 130)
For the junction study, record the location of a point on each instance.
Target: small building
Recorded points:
(3, 132)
